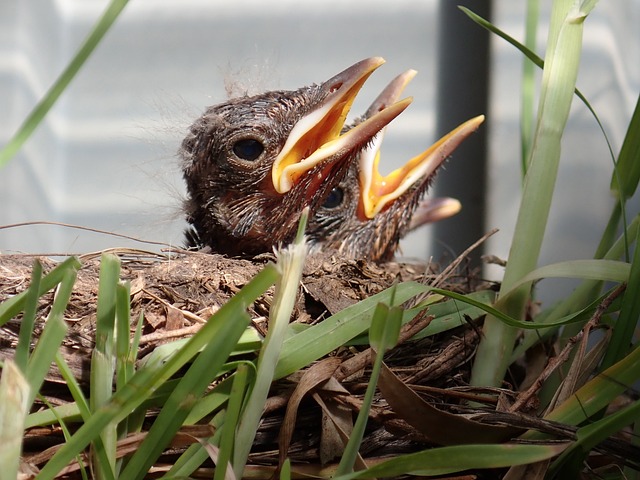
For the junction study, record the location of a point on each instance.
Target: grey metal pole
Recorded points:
(463, 86)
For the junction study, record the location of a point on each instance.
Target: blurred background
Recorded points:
(105, 156)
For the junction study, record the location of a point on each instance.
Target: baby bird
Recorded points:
(367, 214)
(252, 164)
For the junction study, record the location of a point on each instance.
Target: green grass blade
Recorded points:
(103, 361)
(447, 316)
(14, 405)
(626, 175)
(125, 354)
(285, 471)
(206, 367)
(558, 84)
(627, 321)
(42, 108)
(385, 326)
(81, 402)
(135, 345)
(583, 294)
(527, 114)
(537, 61)
(596, 394)
(147, 380)
(227, 438)
(290, 262)
(249, 342)
(29, 318)
(52, 335)
(67, 434)
(611, 232)
(452, 313)
(212, 402)
(79, 410)
(317, 341)
(134, 422)
(573, 317)
(68, 412)
(625, 182)
(384, 332)
(570, 463)
(597, 269)
(629, 170)
(579, 298)
(124, 357)
(13, 306)
(446, 460)
(195, 455)
(44, 353)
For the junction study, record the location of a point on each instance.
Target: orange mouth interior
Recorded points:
(320, 127)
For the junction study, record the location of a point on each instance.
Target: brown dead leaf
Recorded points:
(314, 376)
(175, 318)
(440, 427)
(534, 471)
(137, 285)
(185, 436)
(154, 319)
(330, 293)
(337, 421)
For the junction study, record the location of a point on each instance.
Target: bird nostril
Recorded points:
(334, 199)
(248, 149)
(335, 88)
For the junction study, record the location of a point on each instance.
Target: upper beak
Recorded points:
(378, 191)
(316, 137)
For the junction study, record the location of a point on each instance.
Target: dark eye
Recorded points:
(335, 198)
(248, 149)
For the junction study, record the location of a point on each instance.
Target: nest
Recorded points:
(178, 292)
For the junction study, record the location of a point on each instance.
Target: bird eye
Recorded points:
(248, 149)
(334, 199)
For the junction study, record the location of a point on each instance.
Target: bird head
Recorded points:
(252, 164)
(367, 213)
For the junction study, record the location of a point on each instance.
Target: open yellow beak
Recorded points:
(316, 137)
(378, 191)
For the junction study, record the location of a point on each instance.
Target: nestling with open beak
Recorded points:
(367, 214)
(252, 164)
